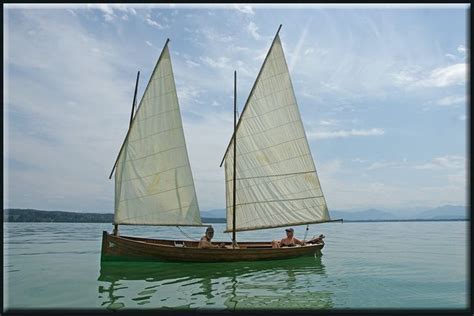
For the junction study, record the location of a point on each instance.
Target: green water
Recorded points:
(364, 265)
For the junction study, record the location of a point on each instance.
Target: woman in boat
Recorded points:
(289, 241)
(205, 241)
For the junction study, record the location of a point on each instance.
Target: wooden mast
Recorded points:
(134, 98)
(234, 241)
(130, 125)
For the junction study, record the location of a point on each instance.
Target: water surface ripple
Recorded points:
(364, 265)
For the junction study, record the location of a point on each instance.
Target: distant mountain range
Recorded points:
(446, 212)
(215, 213)
(442, 212)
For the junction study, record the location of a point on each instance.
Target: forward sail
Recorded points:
(153, 180)
(276, 179)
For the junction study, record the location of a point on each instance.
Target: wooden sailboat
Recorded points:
(271, 179)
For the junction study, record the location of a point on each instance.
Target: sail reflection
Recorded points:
(283, 284)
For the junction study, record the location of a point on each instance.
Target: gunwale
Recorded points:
(137, 248)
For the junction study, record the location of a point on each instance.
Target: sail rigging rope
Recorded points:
(186, 235)
(306, 233)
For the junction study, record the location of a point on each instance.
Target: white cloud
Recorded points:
(462, 49)
(299, 45)
(154, 23)
(406, 76)
(445, 76)
(245, 9)
(444, 162)
(451, 56)
(188, 94)
(213, 35)
(261, 54)
(327, 122)
(345, 133)
(437, 163)
(191, 63)
(252, 29)
(107, 9)
(385, 164)
(71, 11)
(309, 51)
(61, 130)
(349, 187)
(462, 117)
(108, 17)
(452, 100)
(123, 8)
(340, 71)
(221, 62)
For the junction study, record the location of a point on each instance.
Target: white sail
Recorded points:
(153, 180)
(277, 184)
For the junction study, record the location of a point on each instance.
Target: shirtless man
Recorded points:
(205, 241)
(289, 241)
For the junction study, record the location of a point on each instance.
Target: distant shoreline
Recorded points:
(223, 221)
(38, 216)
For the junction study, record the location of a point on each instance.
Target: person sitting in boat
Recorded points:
(289, 241)
(205, 241)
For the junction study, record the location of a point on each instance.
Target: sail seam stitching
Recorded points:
(144, 196)
(154, 154)
(272, 163)
(283, 200)
(161, 212)
(275, 175)
(154, 134)
(271, 146)
(162, 112)
(153, 174)
(294, 211)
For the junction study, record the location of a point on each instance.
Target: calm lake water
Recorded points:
(364, 265)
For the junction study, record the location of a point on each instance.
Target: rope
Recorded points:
(306, 233)
(186, 235)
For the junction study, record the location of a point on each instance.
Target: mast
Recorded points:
(234, 242)
(115, 231)
(153, 159)
(278, 182)
(134, 98)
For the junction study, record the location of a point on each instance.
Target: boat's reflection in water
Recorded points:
(293, 284)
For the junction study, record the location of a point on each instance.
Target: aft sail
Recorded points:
(153, 180)
(276, 179)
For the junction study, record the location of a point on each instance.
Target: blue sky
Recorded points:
(381, 90)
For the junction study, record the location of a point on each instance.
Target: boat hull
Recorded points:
(125, 248)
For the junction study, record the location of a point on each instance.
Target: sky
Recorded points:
(381, 89)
